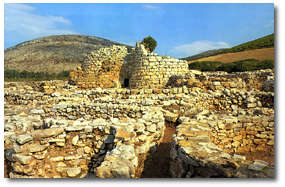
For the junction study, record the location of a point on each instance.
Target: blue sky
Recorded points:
(180, 29)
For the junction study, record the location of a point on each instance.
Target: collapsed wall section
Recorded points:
(100, 68)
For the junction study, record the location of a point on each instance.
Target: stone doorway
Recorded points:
(126, 83)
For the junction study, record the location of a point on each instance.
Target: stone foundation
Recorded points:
(54, 129)
(194, 155)
(59, 148)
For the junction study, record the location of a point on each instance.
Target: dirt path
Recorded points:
(157, 164)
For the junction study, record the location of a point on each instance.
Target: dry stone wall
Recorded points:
(152, 71)
(193, 154)
(100, 69)
(54, 129)
(114, 66)
(59, 148)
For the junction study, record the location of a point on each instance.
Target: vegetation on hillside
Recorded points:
(149, 43)
(264, 42)
(14, 75)
(239, 66)
(54, 53)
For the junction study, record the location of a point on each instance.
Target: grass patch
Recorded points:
(14, 75)
(239, 66)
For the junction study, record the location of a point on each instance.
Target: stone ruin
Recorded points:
(115, 68)
(95, 127)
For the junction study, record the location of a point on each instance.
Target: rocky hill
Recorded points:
(53, 54)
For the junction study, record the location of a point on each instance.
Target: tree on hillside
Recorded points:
(149, 43)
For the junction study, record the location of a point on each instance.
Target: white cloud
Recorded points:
(23, 23)
(150, 6)
(196, 47)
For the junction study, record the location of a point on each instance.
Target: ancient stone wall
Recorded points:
(259, 80)
(244, 134)
(194, 155)
(153, 71)
(59, 148)
(224, 127)
(115, 67)
(100, 69)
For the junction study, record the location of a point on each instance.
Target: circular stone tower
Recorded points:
(152, 71)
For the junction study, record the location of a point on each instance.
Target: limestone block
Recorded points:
(22, 139)
(22, 159)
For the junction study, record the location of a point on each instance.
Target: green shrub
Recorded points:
(246, 65)
(205, 65)
(267, 64)
(13, 75)
(238, 66)
(228, 67)
(149, 43)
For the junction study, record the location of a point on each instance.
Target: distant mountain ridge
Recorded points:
(53, 54)
(263, 42)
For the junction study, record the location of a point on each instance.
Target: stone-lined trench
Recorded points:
(157, 163)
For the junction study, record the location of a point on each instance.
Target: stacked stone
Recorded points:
(137, 115)
(151, 70)
(259, 80)
(244, 134)
(100, 69)
(65, 148)
(194, 155)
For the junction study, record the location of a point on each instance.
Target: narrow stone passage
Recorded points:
(157, 164)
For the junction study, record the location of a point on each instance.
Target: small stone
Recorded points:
(216, 83)
(75, 140)
(73, 172)
(239, 157)
(37, 111)
(74, 128)
(33, 148)
(22, 139)
(45, 133)
(87, 150)
(22, 158)
(151, 128)
(73, 157)
(57, 159)
(258, 165)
